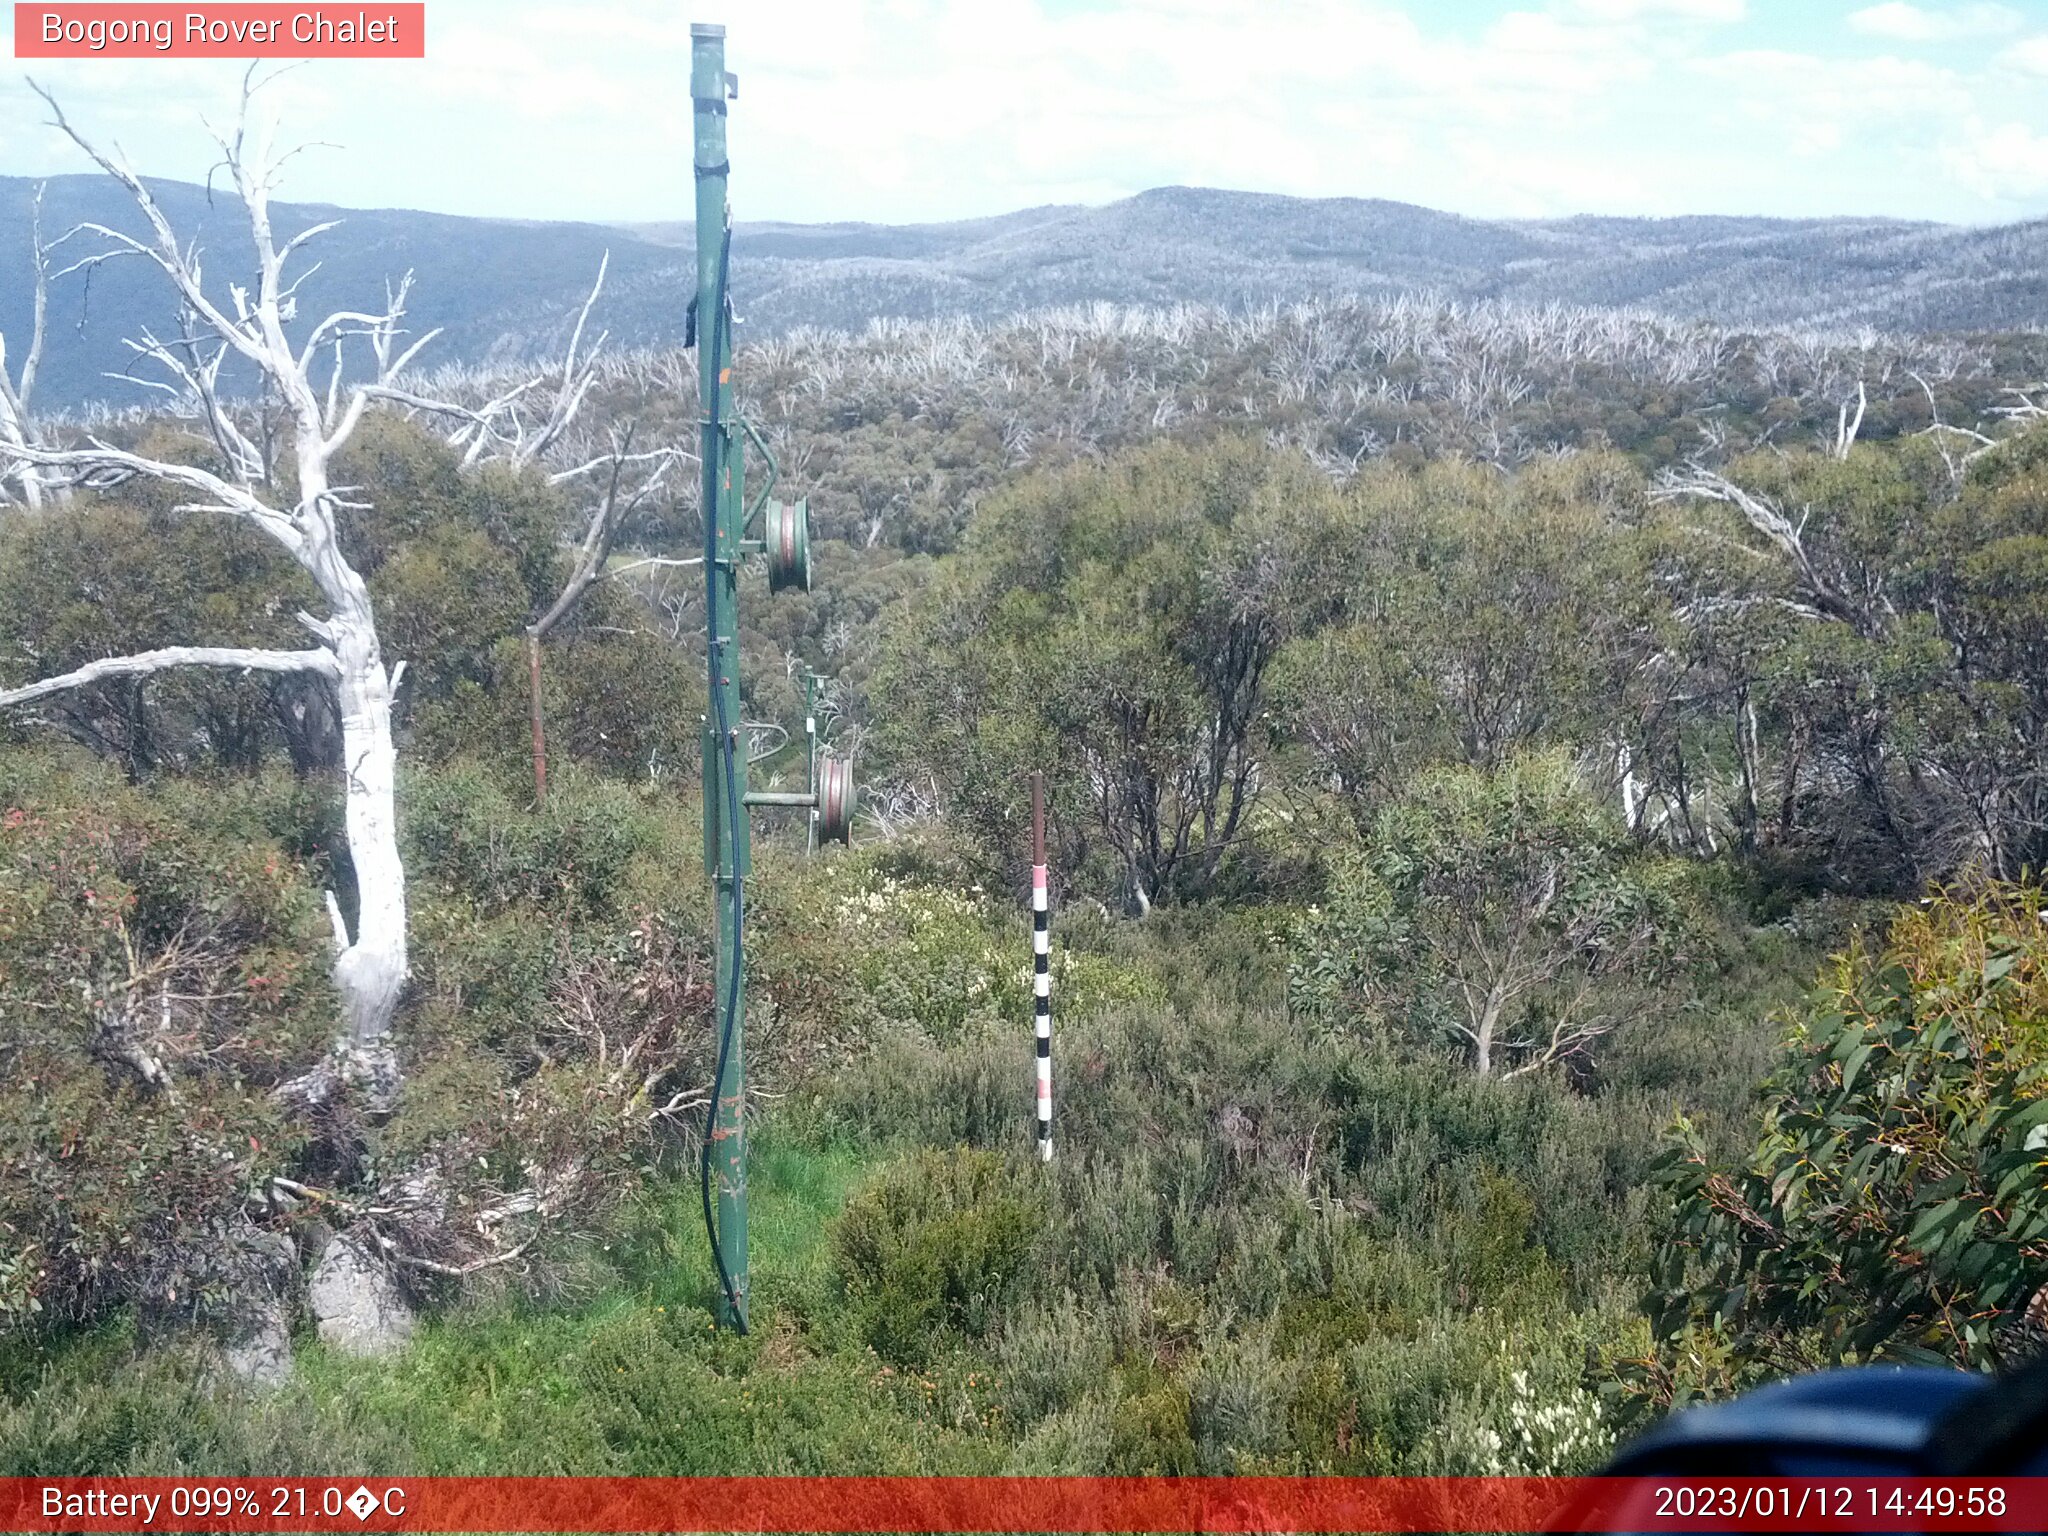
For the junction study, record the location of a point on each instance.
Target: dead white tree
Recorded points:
(17, 427)
(627, 479)
(2025, 405)
(300, 513)
(1822, 586)
(1940, 432)
(1847, 427)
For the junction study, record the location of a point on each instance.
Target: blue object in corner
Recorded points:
(1871, 1421)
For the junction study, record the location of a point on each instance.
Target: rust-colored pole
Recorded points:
(540, 738)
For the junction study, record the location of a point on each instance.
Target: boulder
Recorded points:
(357, 1306)
(261, 1354)
(257, 1344)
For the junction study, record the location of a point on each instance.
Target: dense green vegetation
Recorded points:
(1260, 1247)
(1895, 1204)
(1446, 857)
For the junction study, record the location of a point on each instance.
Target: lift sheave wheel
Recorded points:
(835, 799)
(786, 531)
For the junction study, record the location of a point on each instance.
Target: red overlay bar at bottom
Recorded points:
(1019, 1504)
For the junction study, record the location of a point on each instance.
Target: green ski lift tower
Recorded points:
(784, 539)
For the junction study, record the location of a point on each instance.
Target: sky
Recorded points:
(898, 111)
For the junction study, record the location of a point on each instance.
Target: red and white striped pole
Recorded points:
(1041, 965)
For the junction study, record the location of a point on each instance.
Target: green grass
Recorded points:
(634, 1381)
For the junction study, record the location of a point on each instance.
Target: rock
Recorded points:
(258, 1346)
(373, 1072)
(262, 1356)
(356, 1304)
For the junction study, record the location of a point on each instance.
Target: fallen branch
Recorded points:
(452, 1271)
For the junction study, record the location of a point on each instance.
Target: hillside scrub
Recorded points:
(1257, 1250)
(1223, 653)
(160, 971)
(159, 975)
(1507, 913)
(904, 425)
(1481, 804)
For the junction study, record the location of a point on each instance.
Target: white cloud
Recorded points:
(1318, 98)
(1786, 86)
(1819, 110)
(2030, 54)
(1901, 22)
(2008, 163)
(1684, 10)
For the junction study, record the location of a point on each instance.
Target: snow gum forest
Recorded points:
(1546, 805)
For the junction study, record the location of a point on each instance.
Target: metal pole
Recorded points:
(725, 820)
(1041, 965)
(811, 740)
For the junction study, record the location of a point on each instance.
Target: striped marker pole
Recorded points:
(1041, 965)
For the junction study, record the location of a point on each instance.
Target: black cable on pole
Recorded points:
(720, 336)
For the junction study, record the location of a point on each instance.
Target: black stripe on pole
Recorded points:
(1041, 964)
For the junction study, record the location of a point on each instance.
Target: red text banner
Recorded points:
(221, 31)
(1019, 1504)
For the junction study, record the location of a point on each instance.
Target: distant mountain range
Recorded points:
(501, 289)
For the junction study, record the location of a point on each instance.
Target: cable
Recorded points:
(725, 1033)
(720, 336)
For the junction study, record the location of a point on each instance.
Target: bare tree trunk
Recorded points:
(1482, 1036)
(370, 967)
(1746, 751)
(1138, 901)
(1788, 797)
(16, 426)
(370, 971)
(1631, 791)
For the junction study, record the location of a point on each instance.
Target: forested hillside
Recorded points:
(501, 289)
(1541, 800)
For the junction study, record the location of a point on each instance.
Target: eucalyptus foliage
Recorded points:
(1115, 626)
(1896, 1204)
